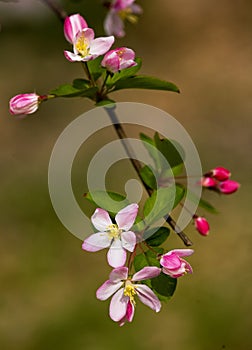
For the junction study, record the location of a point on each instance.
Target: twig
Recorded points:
(57, 9)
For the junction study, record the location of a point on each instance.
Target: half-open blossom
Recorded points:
(118, 59)
(125, 289)
(23, 104)
(116, 237)
(73, 25)
(228, 186)
(86, 47)
(119, 11)
(174, 265)
(220, 173)
(201, 225)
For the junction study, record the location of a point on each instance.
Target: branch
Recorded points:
(57, 9)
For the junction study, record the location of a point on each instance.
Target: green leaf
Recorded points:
(171, 150)
(145, 82)
(81, 84)
(161, 202)
(149, 144)
(110, 201)
(140, 262)
(95, 68)
(164, 285)
(125, 73)
(68, 90)
(106, 103)
(155, 237)
(147, 175)
(152, 257)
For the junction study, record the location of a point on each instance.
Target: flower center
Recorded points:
(114, 231)
(126, 14)
(82, 46)
(129, 291)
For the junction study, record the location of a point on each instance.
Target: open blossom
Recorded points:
(119, 11)
(73, 25)
(124, 290)
(116, 237)
(118, 59)
(86, 47)
(201, 225)
(23, 104)
(174, 265)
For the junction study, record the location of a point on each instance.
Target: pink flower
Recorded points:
(73, 25)
(86, 47)
(115, 236)
(121, 10)
(173, 265)
(228, 186)
(23, 104)
(124, 288)
(118, 59)
(201, 225)
(208, 182)
(220, 173)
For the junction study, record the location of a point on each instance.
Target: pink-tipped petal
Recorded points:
(170, 261)
(182, 252)
(146, 272)
(147, 297)
(101, 219)
(72, 57)
(118, 274)
(129, 314)
(107, 289)
(229, 186)
(101, 45)
(125, 218)
(116, 255)
(96, 241)
(24, 104)
(118, 305)
(73, 25)
(128, 240)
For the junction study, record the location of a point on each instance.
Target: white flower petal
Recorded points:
(118, 274)
(101, 45)
(72, 57)
(147, 297)
(116, 255)
(96, 241)
(125, 218)
(118, 305)
(146, 272)
(107, 289)
(128, 240)
(101, 219)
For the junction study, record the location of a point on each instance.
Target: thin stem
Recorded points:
(87, 71)
(137, 166)
(57, 9)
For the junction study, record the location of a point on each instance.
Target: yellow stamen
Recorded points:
(82, 45)
(113, 231)
(129, 291)
(127, 14)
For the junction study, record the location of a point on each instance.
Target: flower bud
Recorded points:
(73, 25)
(228, 186)
(201, 225)
(118, 59)
(208, 182)
(220, 173)
(23, 104)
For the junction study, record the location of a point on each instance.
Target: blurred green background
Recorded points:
(47, 282)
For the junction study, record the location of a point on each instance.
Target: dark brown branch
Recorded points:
(57, 9)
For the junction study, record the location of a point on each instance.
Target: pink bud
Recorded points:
(23, 104)
(228, 186)
(201, 225)
(118, 59)
(73, 25)
(208, 182)
(220, 173)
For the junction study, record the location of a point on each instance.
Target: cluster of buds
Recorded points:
(218, 179)
(121, 285)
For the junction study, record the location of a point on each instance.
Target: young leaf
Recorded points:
(81, 84)
(145, 82)
(113, 204)
(95, 68)
(164, 285)
(68, 90)
(155, 237)
(149, 144)
(147, 175)
(162, 202)
(171, 150)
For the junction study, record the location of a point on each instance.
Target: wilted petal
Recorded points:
(146, 272)
(147, 297)
(128, 240)
(107, 289)
(125, 218)
(73, 25)
(101, 219)
(101, 45)
(118, 274)
(116, 255)
(118, 305)
(96, 241)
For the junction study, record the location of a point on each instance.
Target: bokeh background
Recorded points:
(47, 282)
